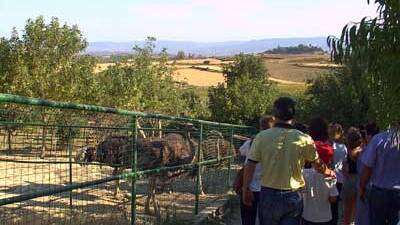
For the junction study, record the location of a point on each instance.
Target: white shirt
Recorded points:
(255, 184)
(339, 159)
(318, 189)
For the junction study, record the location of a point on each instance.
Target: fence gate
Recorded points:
(64, 163)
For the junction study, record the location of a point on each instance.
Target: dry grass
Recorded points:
(289, 71)
(198, 77)
(212, 61)
(296, 68)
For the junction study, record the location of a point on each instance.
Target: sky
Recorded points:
(190, 20)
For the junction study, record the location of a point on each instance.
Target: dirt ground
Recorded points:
(94, 205)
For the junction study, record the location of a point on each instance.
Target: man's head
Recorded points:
(266, 122)
(284, 109)
(371, 130)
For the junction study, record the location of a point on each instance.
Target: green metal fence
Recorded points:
(65, 163)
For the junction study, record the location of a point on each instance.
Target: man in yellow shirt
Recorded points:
(282, 152)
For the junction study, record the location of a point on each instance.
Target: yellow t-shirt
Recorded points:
(282, 153)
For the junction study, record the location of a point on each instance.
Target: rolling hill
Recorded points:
(227, 48)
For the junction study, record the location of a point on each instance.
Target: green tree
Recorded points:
(245, 65)
(371, 50)
(180, 55)
(247, 95)
(146, 84)
(336, 97)
(45, 61)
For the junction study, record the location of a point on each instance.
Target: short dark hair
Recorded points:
(353, 138)
(284, 108)
(319, 129)
(372, 128)
(301, 127)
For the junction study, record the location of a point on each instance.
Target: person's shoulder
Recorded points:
(266, 132)
(301, 136)
(381, 137)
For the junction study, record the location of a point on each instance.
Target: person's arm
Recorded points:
(321, 167)
(247, 177)
(254, 156)
(364, 180)
(245, 148)
(368, 160)
(311, 155)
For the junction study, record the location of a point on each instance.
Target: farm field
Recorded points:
(283, 69)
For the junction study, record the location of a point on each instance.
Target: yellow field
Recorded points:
(198, 77)
(297, 68)
(283, 69)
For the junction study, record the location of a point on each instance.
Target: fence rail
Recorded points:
(66, 163)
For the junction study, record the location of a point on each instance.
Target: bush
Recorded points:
(337, 98)
(247, 95)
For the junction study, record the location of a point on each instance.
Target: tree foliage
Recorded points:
(247, 94)
(245, 65)
(45, 62)
(180, 55)
(299, 49)
(335, 96)
(371, 49)
(146, 84)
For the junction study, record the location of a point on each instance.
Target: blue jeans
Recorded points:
(249, 213)
(279, 207)
(384, 205)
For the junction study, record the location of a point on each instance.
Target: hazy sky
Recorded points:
(194, 20)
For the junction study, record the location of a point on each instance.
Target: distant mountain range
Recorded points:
(206, 48)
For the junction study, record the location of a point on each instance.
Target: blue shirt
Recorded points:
(382, 155)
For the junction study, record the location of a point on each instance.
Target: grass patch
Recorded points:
(291, 89)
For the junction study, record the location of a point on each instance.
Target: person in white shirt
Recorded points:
(318, 195)
(249, 213)
(338, 161)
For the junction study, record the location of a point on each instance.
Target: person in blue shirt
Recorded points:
(381, 161)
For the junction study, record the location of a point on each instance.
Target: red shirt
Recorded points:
(325, 151)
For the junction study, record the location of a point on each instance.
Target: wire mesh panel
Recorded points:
(62, 163)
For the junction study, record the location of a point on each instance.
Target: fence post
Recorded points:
(69, 144)
(231, 153)
(134, 169)
(198, 175)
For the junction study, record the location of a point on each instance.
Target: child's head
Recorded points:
(335, 131)
(318, 129)
(354, 138)
(266, 122)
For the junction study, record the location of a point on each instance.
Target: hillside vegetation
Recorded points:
(46, 61)
(299, 49)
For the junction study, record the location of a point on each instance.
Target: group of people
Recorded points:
(298, 174)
